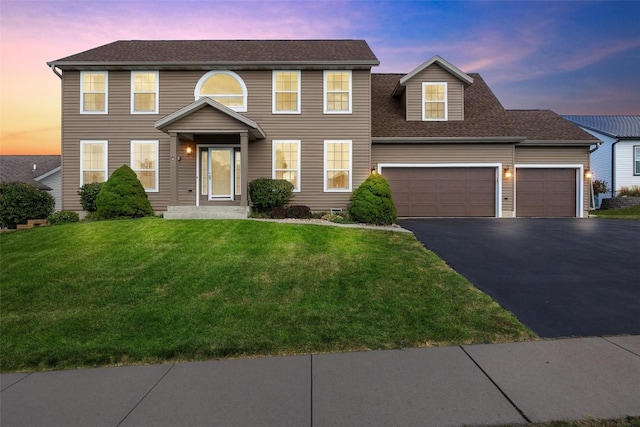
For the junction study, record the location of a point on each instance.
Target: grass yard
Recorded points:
(632, 212)
(144, 291)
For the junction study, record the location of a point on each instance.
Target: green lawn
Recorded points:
(141, 291)
(632, 212)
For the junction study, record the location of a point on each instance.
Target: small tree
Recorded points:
(267, 193)
(123, 196)
(20, 201)
(371, 202)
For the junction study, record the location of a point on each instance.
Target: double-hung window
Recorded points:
(144, 162)
(337, 92)
(286, 92)
(94, 92)
(636, 160)
(337, 166)
(286, 162)
(144, 92)
(93, 162)
(434, 101)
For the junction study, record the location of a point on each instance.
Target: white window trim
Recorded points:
(579, 182)
(106, 92)
(636, 159)
(446, 102)
(245, 94)
(273, 160)
(274, 110)
(325, 170)
(324, 92)
(156, 92)
(106, 158)
(157, 172)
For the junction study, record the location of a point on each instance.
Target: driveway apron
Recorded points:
(560, 277)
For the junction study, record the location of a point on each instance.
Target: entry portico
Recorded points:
(219, 137)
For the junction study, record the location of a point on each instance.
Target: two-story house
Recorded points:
(198, 120)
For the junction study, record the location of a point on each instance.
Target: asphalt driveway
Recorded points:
(560, 277)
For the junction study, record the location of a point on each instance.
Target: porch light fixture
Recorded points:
(189, 150)
(588, 174)
(507, 172)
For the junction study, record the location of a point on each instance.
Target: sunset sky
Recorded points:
(573, 57)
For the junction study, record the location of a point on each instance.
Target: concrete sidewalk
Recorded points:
(491, 384)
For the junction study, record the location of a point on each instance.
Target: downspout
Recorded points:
(592, 198)
(53, 68)
(613, 168)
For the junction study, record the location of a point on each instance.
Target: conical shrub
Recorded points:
(371, 202)
(123, 196)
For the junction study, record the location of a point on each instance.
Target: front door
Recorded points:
(220, 174)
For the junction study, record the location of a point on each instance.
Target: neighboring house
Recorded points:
(617, 159)
(45, 172)
(199, 119)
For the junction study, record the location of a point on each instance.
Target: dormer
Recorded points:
(434, 91)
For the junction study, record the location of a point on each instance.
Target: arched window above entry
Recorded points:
(225, 87)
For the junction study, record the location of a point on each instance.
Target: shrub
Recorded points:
(299, 212)
(88, 194)
(123, 196)
(63, 217)
(266, 193)
(20, 201)
(633, 191)
(278, 212)
(340, 218)
(371, 202)
(599, 186)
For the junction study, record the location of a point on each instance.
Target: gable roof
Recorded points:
(485, 119)
(254, 128)
(619, 127)
(29, 169)
(183, 53)
(449, 67)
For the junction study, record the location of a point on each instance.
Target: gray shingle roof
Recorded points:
(614, 126)
(225, 51)
(484, 117)
(21, 168)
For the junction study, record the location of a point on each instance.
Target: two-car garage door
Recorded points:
(443, 192)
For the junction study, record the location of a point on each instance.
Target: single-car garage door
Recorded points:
(442, 192)
(545, 192)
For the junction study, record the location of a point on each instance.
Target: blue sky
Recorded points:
(573, 57)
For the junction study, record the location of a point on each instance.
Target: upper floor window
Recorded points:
(144, 92)
(434, 101)
(337, 92)
(93, 162)
(636, 160)
(225, 87)
(337, 166)
(144, 162)
(286, 162)
(94, 92)
(286, 92)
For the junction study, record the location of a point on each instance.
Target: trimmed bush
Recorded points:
(299, 212)
(20, 201)
(88, 194)
(267, 193)
(278, 212)
(123, 196)
(371, 202)
(63, 217)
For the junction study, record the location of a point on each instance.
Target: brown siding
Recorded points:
(450, 153)
(556, 155)
(312, 127)
(435, 73)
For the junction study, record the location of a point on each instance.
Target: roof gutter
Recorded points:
(53, 68)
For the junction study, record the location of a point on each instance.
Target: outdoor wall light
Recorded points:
(373, 170)
(587, 173)
(189, 150)
(507, 173)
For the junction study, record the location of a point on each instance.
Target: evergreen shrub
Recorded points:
(63, 217)
(123, 196)
(88, 194)
(371, 202)
(20, 201)
(267, 193)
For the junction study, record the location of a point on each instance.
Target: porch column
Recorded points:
(173, 169)
(244, 168)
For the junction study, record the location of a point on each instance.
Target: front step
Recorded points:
(207, 212)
